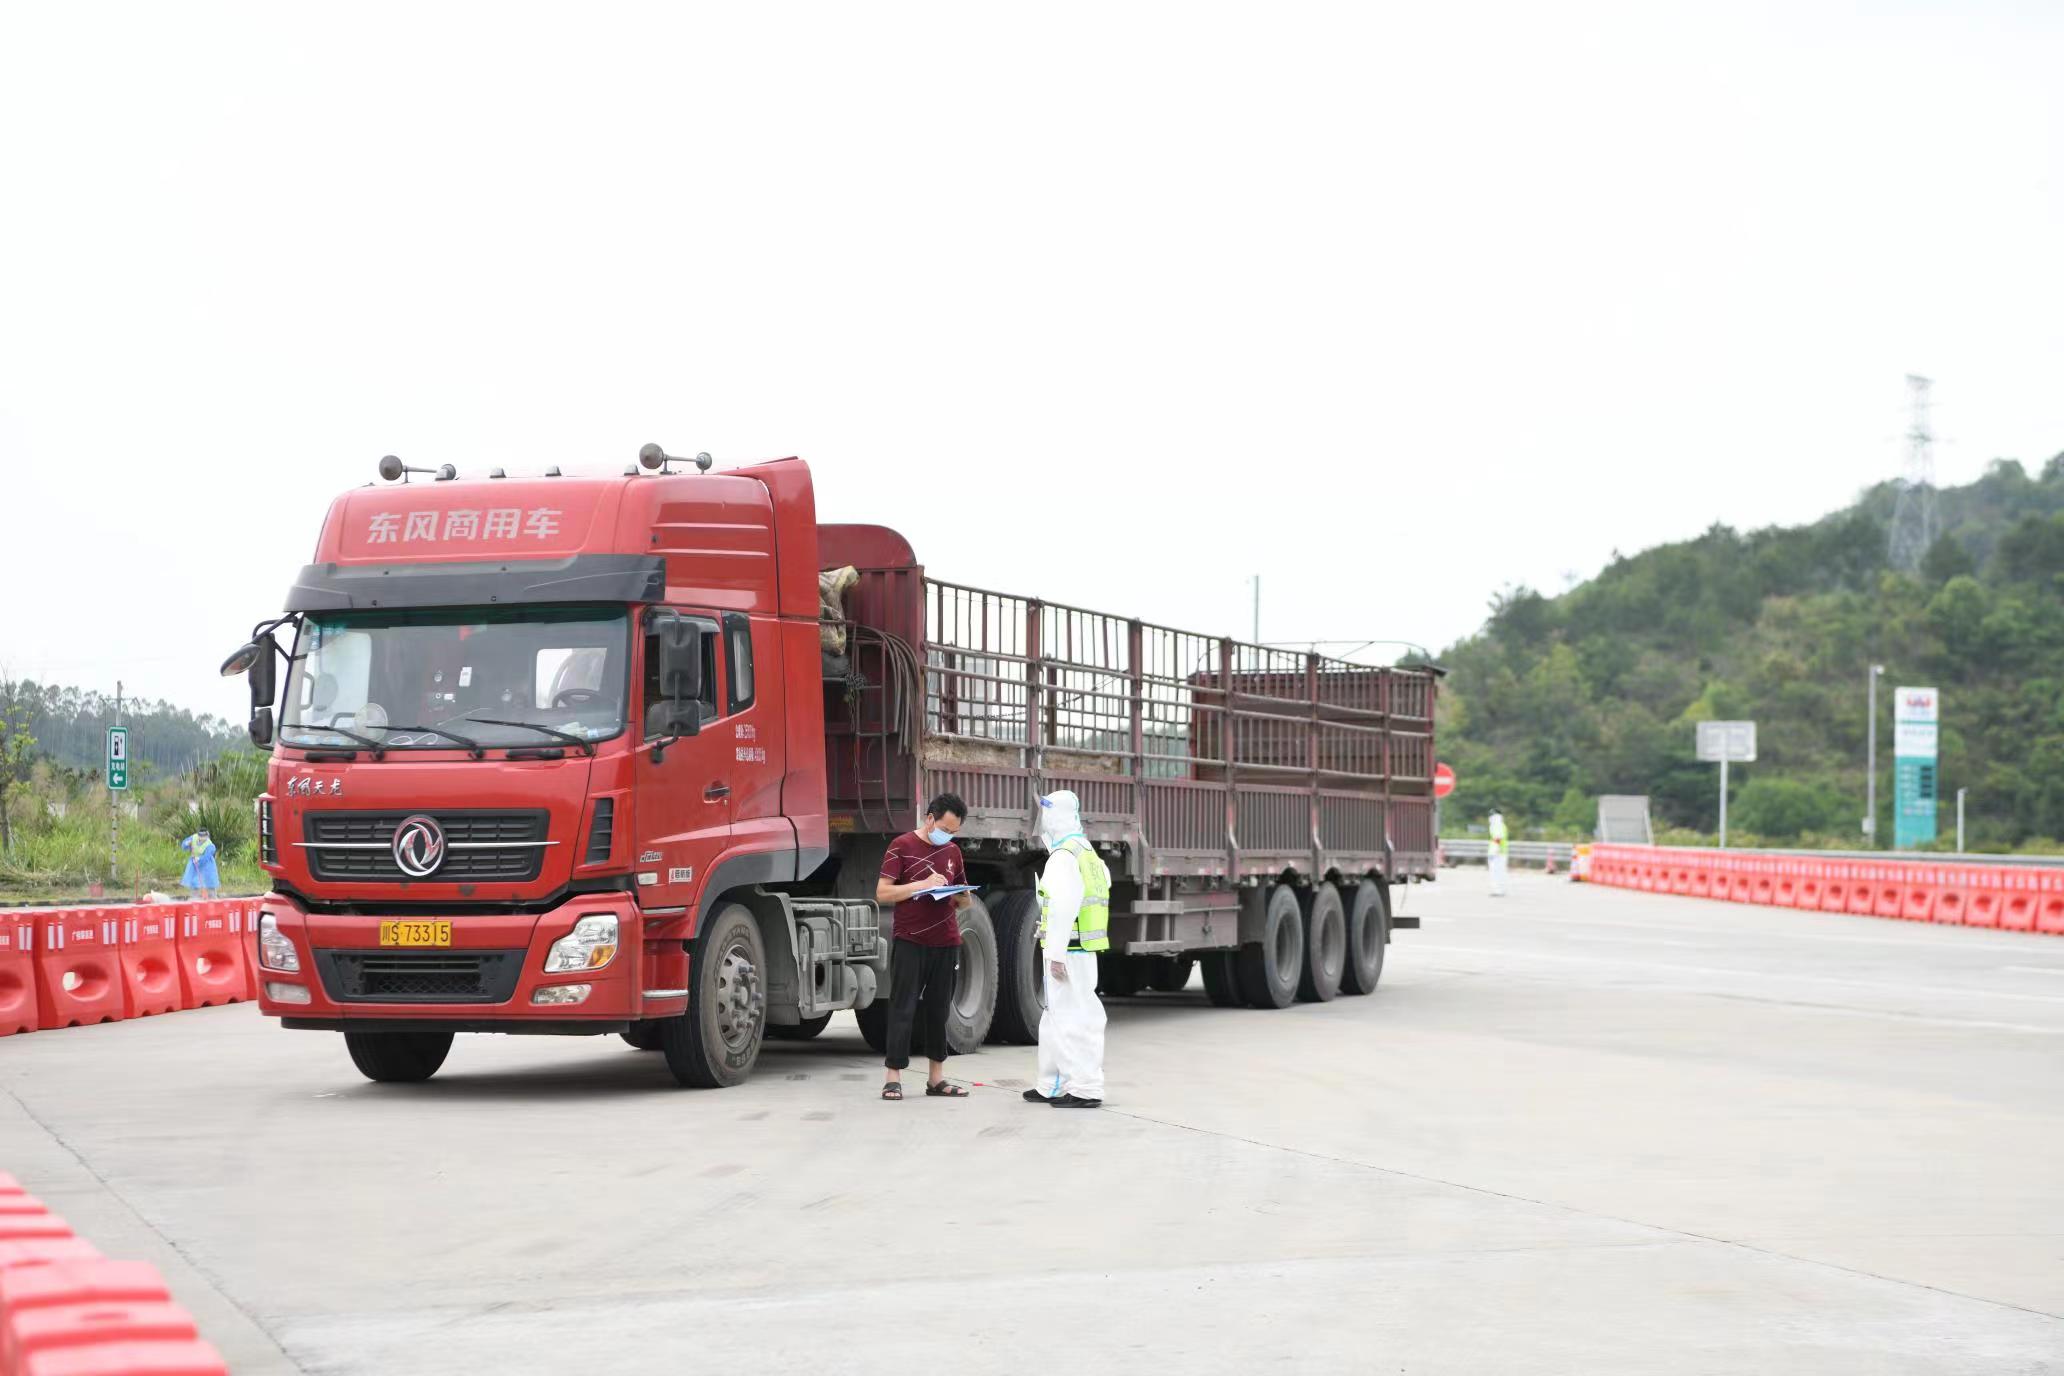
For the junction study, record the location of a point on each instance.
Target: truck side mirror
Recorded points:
(680, 664)
(681, 719)
(259, 660)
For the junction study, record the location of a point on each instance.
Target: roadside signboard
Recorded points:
(1724, 741)
(118, 757)
(1916, 718)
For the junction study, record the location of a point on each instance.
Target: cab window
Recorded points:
(738, 656)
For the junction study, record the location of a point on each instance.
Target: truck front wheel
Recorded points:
(398, 1058)
(714, 1045)
(1270, 967)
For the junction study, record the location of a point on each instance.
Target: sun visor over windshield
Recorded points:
(611, 578)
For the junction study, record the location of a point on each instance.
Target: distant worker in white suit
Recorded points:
(1498, 853)
(1074, 923)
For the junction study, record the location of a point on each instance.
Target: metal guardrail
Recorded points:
(1477, 851)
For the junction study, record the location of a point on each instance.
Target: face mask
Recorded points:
(938, 837)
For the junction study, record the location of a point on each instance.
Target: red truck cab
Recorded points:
(531, 730)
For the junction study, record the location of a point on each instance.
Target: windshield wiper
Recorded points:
(478, 752)
(587, 746)
(366, 741)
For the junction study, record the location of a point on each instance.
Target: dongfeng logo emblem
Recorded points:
(419, 846)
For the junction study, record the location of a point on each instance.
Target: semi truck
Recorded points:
(588, 755)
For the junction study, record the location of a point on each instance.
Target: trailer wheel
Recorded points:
(1118, 977)
(1368, 932)
(1222, 979)
(1174, 976)
(643, 1035)
(714, 1045)
(797, 1032)
(398, 1058)
(974, 982)
(1020, 989)
(874, 1024)
(1325, 943)
(1270, 967)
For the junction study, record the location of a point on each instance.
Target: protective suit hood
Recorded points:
(1060, 816)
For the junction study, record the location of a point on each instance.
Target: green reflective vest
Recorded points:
(1093, 920)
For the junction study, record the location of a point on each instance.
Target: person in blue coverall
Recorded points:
(201, 875)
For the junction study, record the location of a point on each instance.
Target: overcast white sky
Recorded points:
(1114, 304)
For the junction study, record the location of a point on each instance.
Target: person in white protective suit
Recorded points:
(1074, 921)
(1496, 856)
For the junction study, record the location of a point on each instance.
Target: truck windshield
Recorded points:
(405, 678)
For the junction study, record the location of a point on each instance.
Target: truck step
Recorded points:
(1397, 922)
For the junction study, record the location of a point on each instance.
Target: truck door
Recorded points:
(684, 794)
(752, 734)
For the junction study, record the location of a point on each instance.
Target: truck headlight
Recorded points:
(589, 946)
(275, 951)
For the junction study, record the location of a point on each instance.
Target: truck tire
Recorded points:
(1368, 932)
(1118, 977)
(1020, 989)
(1173, 976)
(797, 1032)
(1270, 967)
(974, 983)
(1222, 979)
(642, 1035)
(398, 1058)
(714, 1045)
(874, 1024)
(1325, 943)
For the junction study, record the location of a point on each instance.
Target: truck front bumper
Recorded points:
(488, 976)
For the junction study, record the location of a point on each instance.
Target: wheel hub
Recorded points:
(739, 999)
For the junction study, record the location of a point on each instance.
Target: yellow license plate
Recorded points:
(415, 933)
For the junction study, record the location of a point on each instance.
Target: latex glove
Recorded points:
(1059, 969)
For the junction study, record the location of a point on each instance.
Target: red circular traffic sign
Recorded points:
(1443, 781)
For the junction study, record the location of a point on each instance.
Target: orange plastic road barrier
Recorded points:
(150, 961)
(78, 968)
(1762, 882)
(32, 1227)
(1702, 875)
(1918, 891)
(1834, 890)
(44, 1251)
(2017, 900)
(1983, 907)
(1863, 891)
(1810, 883)
(75, 1327)
(18, 1012)
(1741, 884)
(2049, 908)
(1953, 897)
(243, 926)
(211, 959)
(193, 1358)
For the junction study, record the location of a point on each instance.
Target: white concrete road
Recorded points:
(1579, 1130)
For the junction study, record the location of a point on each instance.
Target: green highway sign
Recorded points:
(118, 757)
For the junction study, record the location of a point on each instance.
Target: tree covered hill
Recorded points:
(1559, 699)
(70, 728)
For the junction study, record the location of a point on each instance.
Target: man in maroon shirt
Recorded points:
(926, 956)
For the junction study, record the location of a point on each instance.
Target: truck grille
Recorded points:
(504, 846)
(420, 976)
